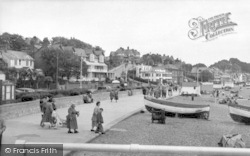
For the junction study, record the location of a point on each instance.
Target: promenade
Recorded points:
(27, 127)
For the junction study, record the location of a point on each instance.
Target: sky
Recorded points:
(156, 26)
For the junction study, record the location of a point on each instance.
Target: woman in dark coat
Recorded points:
(116, 95)
(72, 122)
(47, 116)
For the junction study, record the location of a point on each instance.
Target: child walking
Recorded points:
(100, 122)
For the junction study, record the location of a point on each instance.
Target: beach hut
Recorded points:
(189, 88)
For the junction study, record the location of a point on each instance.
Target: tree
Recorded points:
(45, 42)
(199, 65)
(48, 80)
(11, 74)
(68, 63)
(40, 78)
(206, 76)
(236, 68)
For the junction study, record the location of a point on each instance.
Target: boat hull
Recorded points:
(172, 109)
(239, 113)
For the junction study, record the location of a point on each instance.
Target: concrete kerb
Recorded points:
(107, 127)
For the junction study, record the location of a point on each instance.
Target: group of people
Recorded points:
(87, 98)
(97, 119)
(113, 95)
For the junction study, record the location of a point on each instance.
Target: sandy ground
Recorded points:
(138, 129)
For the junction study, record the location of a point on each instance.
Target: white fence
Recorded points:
(136, 148)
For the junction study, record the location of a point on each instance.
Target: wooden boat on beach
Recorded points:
(239, 113)
(152, 104)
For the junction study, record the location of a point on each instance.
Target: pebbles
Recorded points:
(138, 129)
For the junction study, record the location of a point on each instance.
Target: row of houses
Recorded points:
(97, 69)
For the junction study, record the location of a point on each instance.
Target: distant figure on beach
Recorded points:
(94, 116)
(71, 119)
(99, 121)
(217, 93)
(2, 129)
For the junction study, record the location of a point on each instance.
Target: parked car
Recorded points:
(25, 90)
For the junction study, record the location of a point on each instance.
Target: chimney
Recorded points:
(128, 48)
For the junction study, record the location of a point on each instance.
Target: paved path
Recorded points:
(28, 128)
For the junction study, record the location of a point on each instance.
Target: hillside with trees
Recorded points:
(233, 65)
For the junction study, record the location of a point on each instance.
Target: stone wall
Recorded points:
(10, 111)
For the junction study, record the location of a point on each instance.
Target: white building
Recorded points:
(17, 59)
(191, 88)
(154, 73)
(142, 68)
(97, 69)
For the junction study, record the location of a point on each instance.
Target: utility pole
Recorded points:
(197, 76)
(81, 72)
(57, 70)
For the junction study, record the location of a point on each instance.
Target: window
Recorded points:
(20, 62)
(92, 57)
(31, 63)
(101, 58)
(147, 75)
(15, 62)
(27, 62)
(99, 67)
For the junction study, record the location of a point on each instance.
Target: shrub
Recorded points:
(30, 97)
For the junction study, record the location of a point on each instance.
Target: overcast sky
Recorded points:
(154, 26)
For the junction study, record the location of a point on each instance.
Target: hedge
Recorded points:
(36, 95)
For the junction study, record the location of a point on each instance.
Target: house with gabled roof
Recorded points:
(17, 59)
(97, 69)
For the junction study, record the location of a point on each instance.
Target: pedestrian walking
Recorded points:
(47, 117)
(94, 116)
(42, 108)
(116, 95)
(2, 129)
(99, 121)
(72, 121)
(112, 95)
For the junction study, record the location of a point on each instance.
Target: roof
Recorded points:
(88, 51)
(170, 66)
(98, 52)
(80, 52)
(11, 54)
(190, 84)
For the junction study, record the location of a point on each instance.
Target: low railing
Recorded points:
(136, 148)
